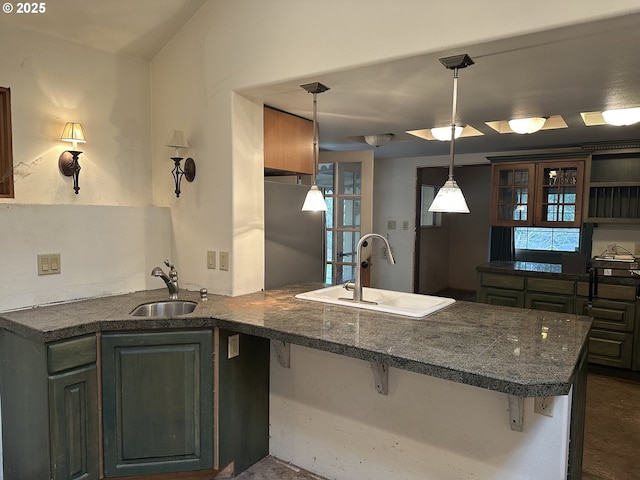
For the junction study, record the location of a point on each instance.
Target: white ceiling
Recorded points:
(588, 67)
(131, 27)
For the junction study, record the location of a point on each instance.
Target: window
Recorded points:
(6, 155)
(544, 244)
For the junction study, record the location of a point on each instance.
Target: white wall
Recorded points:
(104, 250)
(626, 236)
(327, 417)
(231, 45)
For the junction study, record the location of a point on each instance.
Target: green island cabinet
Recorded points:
(49, 408)
(614, 339)
(171, 401)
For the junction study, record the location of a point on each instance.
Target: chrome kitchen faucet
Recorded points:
(171, 280)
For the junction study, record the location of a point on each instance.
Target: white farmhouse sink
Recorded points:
(388, 301)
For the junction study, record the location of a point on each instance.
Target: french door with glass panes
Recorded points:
(347, 180)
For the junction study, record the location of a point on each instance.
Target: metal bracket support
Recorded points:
(283, 352)
(380, 377)
(516, 412)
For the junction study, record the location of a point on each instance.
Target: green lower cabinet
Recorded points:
(49, 408)
(243, 401)
(504, 297)
(73, 424)
(549, 303)
(157, 391)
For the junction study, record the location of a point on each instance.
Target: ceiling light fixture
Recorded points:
(527, 125)
(378, 140)
(622, 117)
(444, 133)
(450, 198)
(314, 201)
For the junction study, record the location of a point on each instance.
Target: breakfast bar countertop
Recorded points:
(522, 352)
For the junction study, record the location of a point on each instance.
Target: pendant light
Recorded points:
(450, 198)
(314, 201)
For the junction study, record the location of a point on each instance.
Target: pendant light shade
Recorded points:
(450, 198)
(444, 133)
(314, 201)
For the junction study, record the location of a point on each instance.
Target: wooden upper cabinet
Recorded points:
(288, 142)
(543, 193)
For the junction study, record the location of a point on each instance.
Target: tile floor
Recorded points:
(612, 429)
(271, 468)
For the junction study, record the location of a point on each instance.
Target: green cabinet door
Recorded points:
(73, 424)
(157, 391)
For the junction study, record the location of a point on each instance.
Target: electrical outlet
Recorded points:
(234, 345)
(224, 261)
(211, 259)
(405, 225)
(391, 224)
(544, 406)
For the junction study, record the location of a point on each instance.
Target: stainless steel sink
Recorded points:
(168, 308)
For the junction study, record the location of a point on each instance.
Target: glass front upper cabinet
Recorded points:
(512, 194)
(542, 193)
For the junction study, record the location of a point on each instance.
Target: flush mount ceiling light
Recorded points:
(427, 133)
(444, 133)
(450, 197)
(314, 201)
(378, 140)
(527, 125)
(552, 122)
(622, 117)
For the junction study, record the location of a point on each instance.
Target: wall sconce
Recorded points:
(176, 140)
(68, 161)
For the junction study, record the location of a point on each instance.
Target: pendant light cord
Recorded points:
(315, 137)
(453, 121)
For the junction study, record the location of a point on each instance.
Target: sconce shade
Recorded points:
(314, 201)
(449, 199)
(444, 133)
(73, 133)
(527, 125)
(176, 139)
(621, 117)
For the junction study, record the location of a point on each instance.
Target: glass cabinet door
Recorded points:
(559, 201)
(512, 194)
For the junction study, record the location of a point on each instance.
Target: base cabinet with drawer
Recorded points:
(614, 315)
(172, 401)
(614, 339)
(49, 408)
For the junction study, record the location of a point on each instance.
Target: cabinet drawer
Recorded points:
(549, 303)
(502, 281)
(609, 314)
(501, 296)
(610, 348)
(612, 292)
(73, 353)
(546, 285)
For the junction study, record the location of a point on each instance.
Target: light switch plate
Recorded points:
(224, 261)
(48, 263)
(211, 259)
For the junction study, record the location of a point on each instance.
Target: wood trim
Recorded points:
(6, 150)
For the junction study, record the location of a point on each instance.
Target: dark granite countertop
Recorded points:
(551, 270)
(516, 351)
